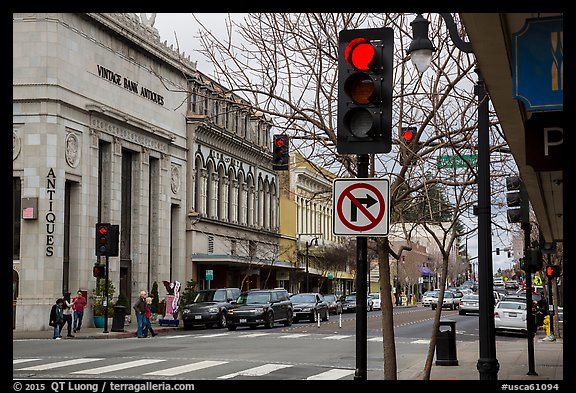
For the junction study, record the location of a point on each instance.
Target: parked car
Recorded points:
(539, 305)
(375, 300)
(209, 307)
(449, 301)
(260, 307)
(428, 296)
(309, 306)
(469, 304)
(334, 304)
(349, 303)
(510, 316)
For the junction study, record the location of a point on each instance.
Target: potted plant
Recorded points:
(97, 299)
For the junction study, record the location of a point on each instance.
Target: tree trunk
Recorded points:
(388, 342)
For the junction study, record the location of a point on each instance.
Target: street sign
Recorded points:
(209, 275)
(361, 207)
(537, 280)
(457, 161)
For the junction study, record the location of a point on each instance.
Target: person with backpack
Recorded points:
(56, 318)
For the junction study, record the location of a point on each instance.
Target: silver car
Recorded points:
(510, 316)
(469, 304)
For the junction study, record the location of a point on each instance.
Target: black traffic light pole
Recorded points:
(531, 325)
(106, 297)
(361, 266)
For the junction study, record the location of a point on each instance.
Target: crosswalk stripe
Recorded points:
(121, 366)
(63, 363)
(335, 373)
(18, 361)
(377, 339)
(186, 368)
(178, 336)
(336, 337)
(256, 371)
(255, 335)
(297, 335)
(213, 335)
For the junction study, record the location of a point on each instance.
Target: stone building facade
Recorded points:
(112, 125)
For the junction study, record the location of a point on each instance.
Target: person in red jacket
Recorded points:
(78, 305)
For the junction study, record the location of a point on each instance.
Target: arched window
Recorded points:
(273, 206)
(267, 204)
(250, 195)
(242, 199)
(232, 196)
(212, 194)
(259, 219)
(200, 186)
(222, 202)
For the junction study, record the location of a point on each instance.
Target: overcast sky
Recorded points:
(186, 29)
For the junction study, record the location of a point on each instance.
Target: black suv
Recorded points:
(261, 307)
(209, 307)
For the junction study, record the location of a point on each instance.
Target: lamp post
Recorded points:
(308, 244)
(421, 54)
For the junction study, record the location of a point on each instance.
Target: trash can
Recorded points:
(118, 319)
(446, 344)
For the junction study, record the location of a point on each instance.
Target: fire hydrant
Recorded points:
(546, 324)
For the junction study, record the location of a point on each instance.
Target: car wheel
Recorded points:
(231, 327)
(288, 321)
(222, 323)
(269, 320)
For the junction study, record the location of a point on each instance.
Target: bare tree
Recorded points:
(286, 66)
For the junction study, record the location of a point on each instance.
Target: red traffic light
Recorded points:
(407, 134)
(553, 271)
(360, 53)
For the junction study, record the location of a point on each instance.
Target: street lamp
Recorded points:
(420, 52)
(308, 244)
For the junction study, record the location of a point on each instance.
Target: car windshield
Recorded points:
(351, 298)
(375, 295)
(254, 298)
(470, 297)
(330, 298)
(512, 305)
(210, 296)
(303, 298)
(433, 294)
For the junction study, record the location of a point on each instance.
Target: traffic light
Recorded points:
(553, 271)
(98, 270)
(103, 241)
(280, 153)
(365, 72)
(408, 137)
(517, 200)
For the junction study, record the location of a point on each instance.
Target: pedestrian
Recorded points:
(148, 315)
(56, 318)
(78, 305)
(67, 314)
(140, 310)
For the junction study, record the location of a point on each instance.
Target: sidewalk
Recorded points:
(513, 360)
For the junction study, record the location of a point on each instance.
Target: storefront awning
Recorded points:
(425, 271)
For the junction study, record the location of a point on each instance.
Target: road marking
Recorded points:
(336, 337)
(179, 336)
(255, 335)
(17, 361)
(378, 339)
(336, 373)
(256, 371)
(63, 363)
(186, 368)
(121, 366)
(296, 335)
(420, 342)
(213, 335)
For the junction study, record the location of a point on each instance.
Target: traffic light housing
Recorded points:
(107, 239)
(553, 271)
(280, 152)
(365, 72)
(517, 200)
(407, 141)
(98, 270)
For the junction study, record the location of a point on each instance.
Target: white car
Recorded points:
(375, 300)
(450, 301)
(510, 315)
(428, 296)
